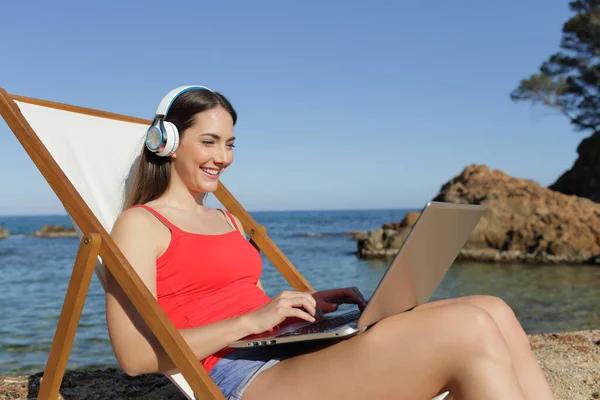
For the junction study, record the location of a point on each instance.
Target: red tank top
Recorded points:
(202, 279)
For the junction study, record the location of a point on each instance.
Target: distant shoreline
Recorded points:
(48, 231)
(249, 211)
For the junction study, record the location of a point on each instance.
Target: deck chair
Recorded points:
(90, 179)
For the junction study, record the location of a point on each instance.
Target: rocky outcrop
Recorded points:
(53, 231)
(3, 233)
(524, 223)
(583, 179)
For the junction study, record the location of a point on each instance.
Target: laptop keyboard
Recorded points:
(326, 325)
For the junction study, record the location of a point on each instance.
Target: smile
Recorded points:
(213, 173)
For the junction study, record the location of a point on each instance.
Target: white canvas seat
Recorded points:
(96, 152)
(97, 155)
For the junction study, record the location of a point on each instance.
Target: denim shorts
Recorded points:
(234, 372)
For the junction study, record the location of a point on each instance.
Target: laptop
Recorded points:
(412, 277)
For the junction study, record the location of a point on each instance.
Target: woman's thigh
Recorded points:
(409, 355)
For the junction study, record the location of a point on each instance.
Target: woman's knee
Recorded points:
(474, 321)
(477, 337)
(503, 314)
(497, 307)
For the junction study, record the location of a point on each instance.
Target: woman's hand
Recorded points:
(287, 304)
(329, 300)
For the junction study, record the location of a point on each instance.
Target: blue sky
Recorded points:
(342, 104)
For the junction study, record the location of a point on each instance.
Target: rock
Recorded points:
(583, 179)
(3, 232)
(54, 231)
(409, 220)
(525, 222)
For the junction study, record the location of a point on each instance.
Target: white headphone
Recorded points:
(162, 137)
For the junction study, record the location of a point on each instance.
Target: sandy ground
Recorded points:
(571, 362)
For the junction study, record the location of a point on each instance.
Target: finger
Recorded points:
(356, 295)
(349, 296)
(310, 305)
(306, 296)
(330, 299)
(298, 313)
(345, 296)
(300, 301)
(286, 294)
(362, 297)
(362, 302)
(310, 298)
(328, 307)
(320, 313)
(356, 292)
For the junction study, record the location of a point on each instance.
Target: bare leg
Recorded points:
(414, 355)
(531, 377)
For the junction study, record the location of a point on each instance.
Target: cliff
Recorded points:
(583, 179)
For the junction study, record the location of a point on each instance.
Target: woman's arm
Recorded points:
(139, 236)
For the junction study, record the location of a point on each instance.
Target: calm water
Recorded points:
(34, 273)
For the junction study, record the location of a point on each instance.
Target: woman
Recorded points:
(205, 275)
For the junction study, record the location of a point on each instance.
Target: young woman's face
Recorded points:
(205, 150)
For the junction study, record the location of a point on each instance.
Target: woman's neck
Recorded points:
(178, 196)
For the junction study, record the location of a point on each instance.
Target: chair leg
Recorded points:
(68, 321)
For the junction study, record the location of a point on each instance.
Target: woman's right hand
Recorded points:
(286, 305)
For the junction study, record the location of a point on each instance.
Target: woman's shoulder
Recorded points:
(137, 229)
(135, 219)
(136, 212)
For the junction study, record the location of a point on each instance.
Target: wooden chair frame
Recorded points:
(96, 241)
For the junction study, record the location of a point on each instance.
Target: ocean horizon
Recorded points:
(405, 209)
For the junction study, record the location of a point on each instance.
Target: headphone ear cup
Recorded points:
(172, 135)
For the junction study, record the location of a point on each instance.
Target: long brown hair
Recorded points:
(154, 172)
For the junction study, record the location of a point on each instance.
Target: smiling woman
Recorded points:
(203, 272)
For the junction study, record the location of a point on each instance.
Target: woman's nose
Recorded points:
(221, 156)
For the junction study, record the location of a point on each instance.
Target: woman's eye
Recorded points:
(231, 145)
(208, 142)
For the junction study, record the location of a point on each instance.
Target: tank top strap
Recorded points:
(228, 214)
(158, 215)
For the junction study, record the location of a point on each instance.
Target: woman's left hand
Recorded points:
(329, 300)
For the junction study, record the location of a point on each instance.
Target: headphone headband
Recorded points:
(162, 137)
(165, 104)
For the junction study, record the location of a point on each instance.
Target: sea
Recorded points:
(34, 274)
